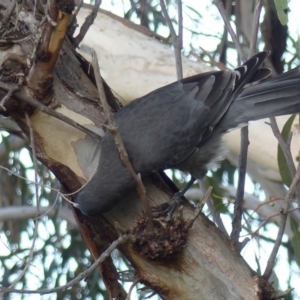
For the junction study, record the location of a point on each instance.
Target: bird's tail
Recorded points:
(273, 97)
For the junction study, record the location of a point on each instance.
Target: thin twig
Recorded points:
(269, 218)
(238, 205)
(122, 239)
(8, 13)
(28, 180)
(49, 12)
(180, 27)
(280, 295)
(73, 21)
(239, 199)
(198, 209)
(35, 233)
(45, 109)
(8, 96)
(202, 202)
(44, 186)
(112, 126)
(32, 144)
(255, 26)
(176, 40)
(287, 201)
(215, 215)
(255, 211)
(15, 41)
(89, 20)
(235, 40)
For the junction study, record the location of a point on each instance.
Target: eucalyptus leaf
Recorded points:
(281, 8)
(282, 163)
(296, 240)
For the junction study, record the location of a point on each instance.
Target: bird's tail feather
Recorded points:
(273, 97)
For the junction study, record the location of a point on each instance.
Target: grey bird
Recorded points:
(180, 126)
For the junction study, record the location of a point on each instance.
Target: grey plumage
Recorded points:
(180, 126)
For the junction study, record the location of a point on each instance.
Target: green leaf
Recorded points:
(282, 163)
(281, 8)
(296, 240)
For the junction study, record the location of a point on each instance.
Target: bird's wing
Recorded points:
(164, 128)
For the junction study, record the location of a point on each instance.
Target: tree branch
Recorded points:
(284, 212)
(176, 40)
(45, 109)
(255, 26)
(235, 40)
(87, 23)
(239, 199)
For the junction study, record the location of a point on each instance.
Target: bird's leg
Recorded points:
(175, 201)
(177, 197)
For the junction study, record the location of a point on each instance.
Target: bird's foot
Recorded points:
(168, 209)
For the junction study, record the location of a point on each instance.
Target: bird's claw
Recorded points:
(168, 209)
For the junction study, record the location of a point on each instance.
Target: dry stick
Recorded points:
(215, 215)
(73, 21)
(44, 186)
(237, 220)
(8, 96)
(199, 207)
(15, 41)
(269, 203)
(269, 218)
(8, 13)
(287, 201)
(28, 180)
(235, 40)
(239, 199)
(31, 252)
(113, 128)
(87, 23)
(255, 26)
(31, 135)
(238, 206)
(285, 146)
(280, 295)
(45, 109)
(176, 40)
(122, 239)
(50, 11)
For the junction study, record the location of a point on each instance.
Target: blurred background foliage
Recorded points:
(60, 253)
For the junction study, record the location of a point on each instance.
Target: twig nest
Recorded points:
(167, 239)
